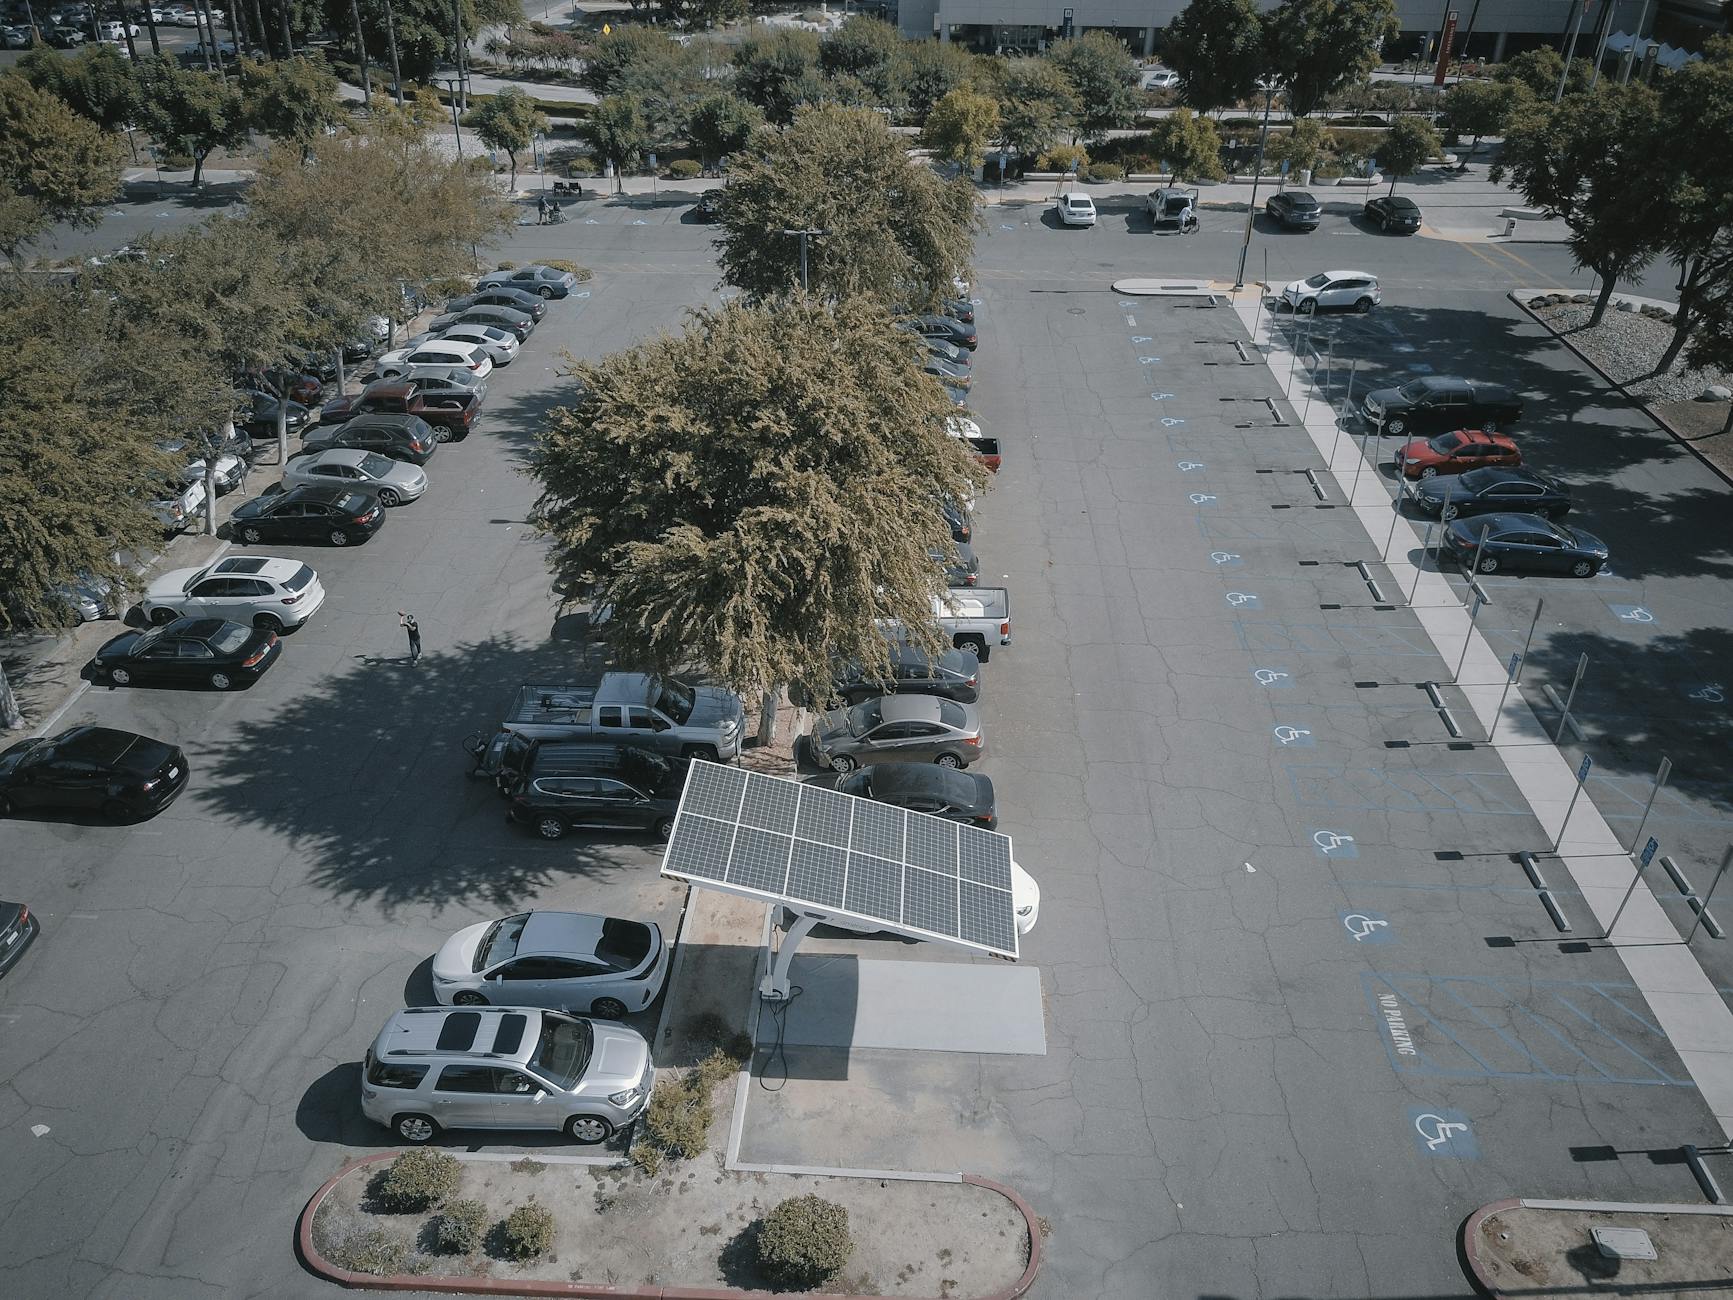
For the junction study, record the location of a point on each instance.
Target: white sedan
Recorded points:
(392, 481)
(432, 358)
(1076, 209)
(500, 345)
(570, 961)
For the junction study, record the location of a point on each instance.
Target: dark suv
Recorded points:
(1441, 404)
(556, 785)
(956, 675)
(399, 436)
(1294, 210)
(451, 415)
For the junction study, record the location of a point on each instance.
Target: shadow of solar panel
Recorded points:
(699, 848)
(715, 791)
(770, 805)
(815, 875)
(760, 860)
(878, 830)
(874, 888)
(932, 843)
(824, 816)
(930, 901)
(987, 917)
(984, 857)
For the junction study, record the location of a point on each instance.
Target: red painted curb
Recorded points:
(538, 1287)
(1471, 1250)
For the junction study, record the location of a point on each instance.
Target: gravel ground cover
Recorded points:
(1626, 345)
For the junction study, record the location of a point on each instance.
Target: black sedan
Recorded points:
(1294, 210)
(1394, 212)
(1524, 544)
(338, 515)
(960, 309)
(399, 436)
(188, 652)
(500, 295)
(17, 929)
(927, 788)
(943, 327)
(91, 769)
(1493, 489)
(709, 206)
(261, 420)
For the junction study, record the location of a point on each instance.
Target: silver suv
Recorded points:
(434, 1068)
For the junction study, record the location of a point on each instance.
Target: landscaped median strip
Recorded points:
(621, 1223)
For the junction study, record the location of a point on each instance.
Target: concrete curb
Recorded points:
(1614, 384)
(321, 1266)
(1469, 1249)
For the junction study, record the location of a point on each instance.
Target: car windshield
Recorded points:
(1445, 443)
(197, 578)
(1477, 479)
(563, 1050)
(299, 578)
(376, 466)
(499, 943)
(229, 639)
(351, 503)
(1416, 390)
(676, 699)
(498, 336)
(863, 718)
(1318, 281)
(146, 640)
(952, 714)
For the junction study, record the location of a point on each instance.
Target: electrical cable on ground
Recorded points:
(779, 1014)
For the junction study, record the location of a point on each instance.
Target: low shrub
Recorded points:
(684, 169)
(461, 1227)
(714, 1069)
(505, 266)
(1063, 158)
(527, 1232)
(370, 1249)
(417, 1180)
(648, 1157)
(804, 1241)
(1106, 172)
(678, 1118)
(582, 166)
(561, 264)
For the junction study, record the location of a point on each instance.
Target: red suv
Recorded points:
(450, 414)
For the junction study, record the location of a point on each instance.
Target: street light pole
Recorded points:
(803, 236)
(1257, 171)
(1570, 50)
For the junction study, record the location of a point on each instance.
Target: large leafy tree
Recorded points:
(1104, 79)
(1317, 47)
(1036, 105)
(1537, 71)
(869, 50)
(960, 128)
(54, 166)
(616, 130)
(754, 495)
(1408, 144)
(1301, 146)
(190, 112)
(97, 82)
(1585, 158)
(721, 124)
(1190, 145)
(1217, 48)
(890, 227)
(1480, 108)
(927, 71)
(777, 70)
(509, 120)
(291, 100)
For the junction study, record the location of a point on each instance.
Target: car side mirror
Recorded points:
(541, 1094)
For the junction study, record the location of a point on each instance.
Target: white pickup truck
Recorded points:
(975, 618)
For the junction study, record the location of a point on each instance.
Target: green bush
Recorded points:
(461, 1227)
(714, 1069)
(1063, 158)
(418, 1180)
(684, 169)
(1106, 172)
(370, 1249)
(678, 1118)
(527, 1232)
(648, 1157)
(582, 166)
(804, 1241)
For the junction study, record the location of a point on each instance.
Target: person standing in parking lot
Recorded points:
(408, 624)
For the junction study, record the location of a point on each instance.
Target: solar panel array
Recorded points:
(777, 839)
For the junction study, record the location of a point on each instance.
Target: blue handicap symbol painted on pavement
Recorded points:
(1294, 737)
(1243, 600)
(581, 293)
(1161, 397)
(1632, 613)
(1709, 693)
(1140, 338)
(1443, 1133)
(1367, 927)
(1147, 361)
(1189, 466)
(1168, 421)
(1201, 498)
(591, 221)
(1333, 844)
(1226, 559)
(1006, 226)
(1274, 678)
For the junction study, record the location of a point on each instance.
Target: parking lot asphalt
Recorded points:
(1261, 1032)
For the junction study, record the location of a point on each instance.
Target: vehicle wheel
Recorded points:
(1489, 564)
(161, 616)
(1395, 427)
(1584, 569)
(550, 828)
(221, 681)
(468, 998)
(948, 760)
(1384, 225)
(414, 1128)
(441, 433)
(608, 1008)
(339, 537)
(389, 498)
(706, 752)
(842, 765)
(544, 291)
(115, 810)
(1491, 426)
(1309, 307)
(975, 643)
(1363, 306)
(1431, 471)
(1448, 513)
(252, 536)
(663, 828)
(119, 676)
(589, 1129)
(5, 806)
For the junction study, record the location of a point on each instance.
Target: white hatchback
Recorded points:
(431, 357)
(264, 591)
(569, 961)
(1076, 209)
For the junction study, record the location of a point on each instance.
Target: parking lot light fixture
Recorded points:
(1257, 171)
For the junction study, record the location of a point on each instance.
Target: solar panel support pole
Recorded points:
(774, 985)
